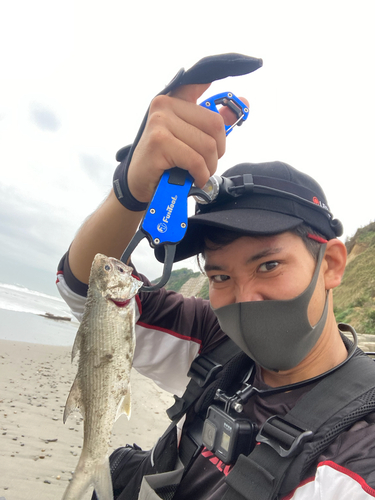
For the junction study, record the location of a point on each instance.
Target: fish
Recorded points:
(101, 391)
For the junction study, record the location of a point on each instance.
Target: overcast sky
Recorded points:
(77, 76)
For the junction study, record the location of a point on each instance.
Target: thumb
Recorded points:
(190, 93)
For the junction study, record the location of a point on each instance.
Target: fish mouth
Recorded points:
(120, 302)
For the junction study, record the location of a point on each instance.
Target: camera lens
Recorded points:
(208, 435)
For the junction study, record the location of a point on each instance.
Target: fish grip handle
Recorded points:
(165, 220)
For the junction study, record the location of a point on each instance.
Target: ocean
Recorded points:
(21, 317)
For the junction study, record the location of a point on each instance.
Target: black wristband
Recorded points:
(120, 184)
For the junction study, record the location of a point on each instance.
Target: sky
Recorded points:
(77, 77)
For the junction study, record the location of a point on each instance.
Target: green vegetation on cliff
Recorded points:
(203, 294)
(354, 299)
(178, 278)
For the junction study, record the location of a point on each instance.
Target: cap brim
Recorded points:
(249, 222)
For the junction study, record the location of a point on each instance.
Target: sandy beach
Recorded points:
(38, 453)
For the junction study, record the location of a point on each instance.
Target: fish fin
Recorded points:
(77, 344)
(125, 405)
(88, 473)
(74, 401)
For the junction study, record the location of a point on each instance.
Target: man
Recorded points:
(272, 259)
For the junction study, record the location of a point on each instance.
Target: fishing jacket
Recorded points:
(171, 332)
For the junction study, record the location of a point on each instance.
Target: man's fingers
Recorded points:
(229, 117)
(192, 124)
(178, 133)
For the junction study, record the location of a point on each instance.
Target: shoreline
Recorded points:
(32, 328)
(38, 453)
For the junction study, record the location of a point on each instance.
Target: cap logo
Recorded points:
(320, 203)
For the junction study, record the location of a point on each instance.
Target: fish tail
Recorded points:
(94, 474)
(103, 482)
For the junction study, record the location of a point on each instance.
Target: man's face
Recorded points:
(263, 268)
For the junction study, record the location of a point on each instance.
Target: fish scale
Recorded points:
(101, 390)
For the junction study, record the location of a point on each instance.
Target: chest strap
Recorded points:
(204, 369)
(289, 445)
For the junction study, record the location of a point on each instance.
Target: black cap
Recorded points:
(268, 198)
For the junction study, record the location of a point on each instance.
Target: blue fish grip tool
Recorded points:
(166, 218)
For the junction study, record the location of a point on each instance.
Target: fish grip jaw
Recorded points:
(170, 251)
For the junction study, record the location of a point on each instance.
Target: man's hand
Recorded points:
(178, 133)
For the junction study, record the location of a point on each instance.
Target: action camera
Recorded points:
(228, 437)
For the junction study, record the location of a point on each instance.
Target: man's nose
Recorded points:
(248, 293)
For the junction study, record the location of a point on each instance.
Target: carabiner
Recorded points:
(234, 104)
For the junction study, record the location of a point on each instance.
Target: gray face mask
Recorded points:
(276, 334)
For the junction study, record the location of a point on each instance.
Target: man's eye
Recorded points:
(268, 266)
(219, 278)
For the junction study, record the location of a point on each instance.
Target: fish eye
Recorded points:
(107, 267)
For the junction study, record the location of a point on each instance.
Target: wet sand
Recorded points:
(38, 453)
